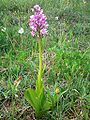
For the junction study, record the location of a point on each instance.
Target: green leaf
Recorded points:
(42, 98)
(32, 98)
(47, 105)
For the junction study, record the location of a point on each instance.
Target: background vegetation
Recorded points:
(66, 58)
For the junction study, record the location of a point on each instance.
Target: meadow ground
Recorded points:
(66, 58)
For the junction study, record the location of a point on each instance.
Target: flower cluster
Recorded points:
(37, 22)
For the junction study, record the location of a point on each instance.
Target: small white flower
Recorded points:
(21, 31)
(56, 18)
(3, 29)
(84, 1)
(32, 9)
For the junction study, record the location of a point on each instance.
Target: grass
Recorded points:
(66, 58)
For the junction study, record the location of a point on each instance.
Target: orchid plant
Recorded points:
(40, 100)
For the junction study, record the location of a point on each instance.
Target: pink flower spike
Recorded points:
(38, 22)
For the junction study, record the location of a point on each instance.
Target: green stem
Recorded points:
(39, 81)
(40, 60)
